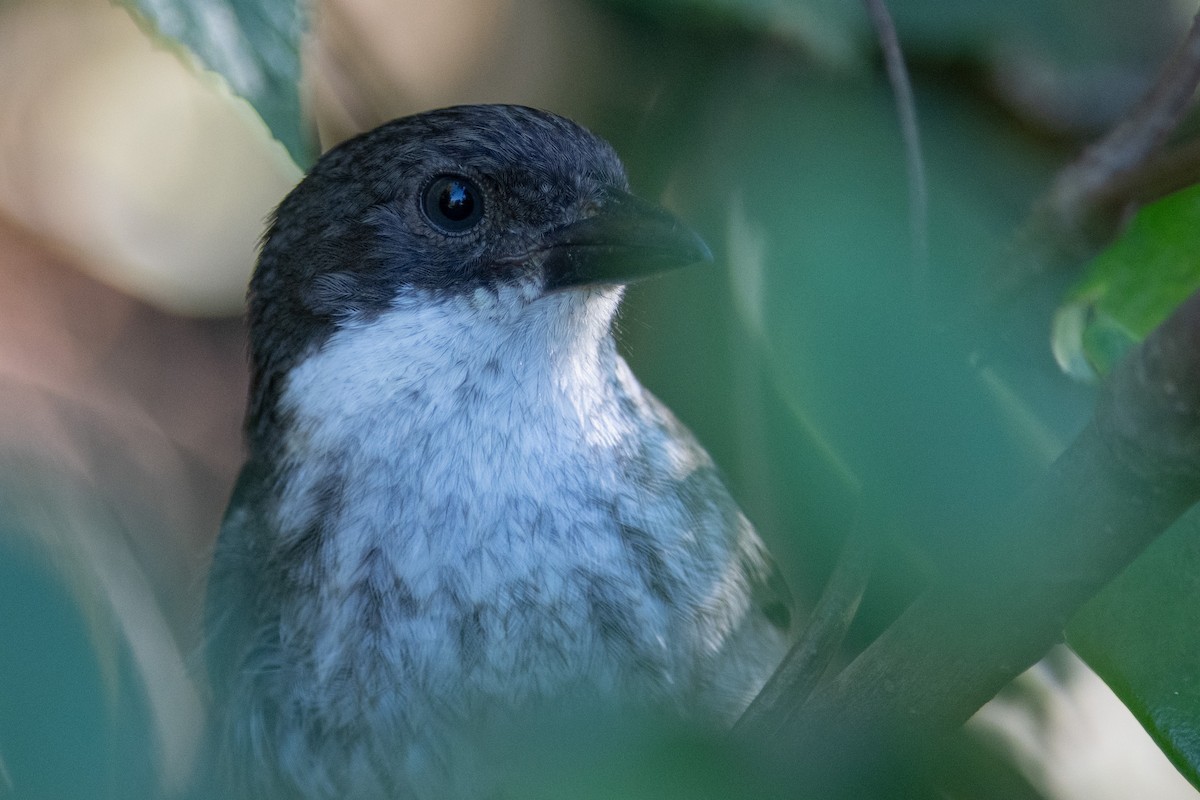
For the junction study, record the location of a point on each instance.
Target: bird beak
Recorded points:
(625, 240)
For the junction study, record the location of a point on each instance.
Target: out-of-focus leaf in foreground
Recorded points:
(829, 30)
(935, 418)
(1114, 31)
(901, 401)
(1131, 287)
(1140, 635)
(253, 44)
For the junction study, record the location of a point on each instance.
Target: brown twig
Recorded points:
(1132, 142)
(1089, 197)
(1168, 172)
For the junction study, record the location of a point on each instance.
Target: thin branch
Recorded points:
(809, 658)
(906, 109)
(1079, 213)
(1129, 145)
(1128, 476)
(1168, 172)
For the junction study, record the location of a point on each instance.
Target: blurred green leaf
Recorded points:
(253, 44)
(854, 343)
(1141, 636)
(1060, 34)
(1066, 30)
(594, 757)
(937, 412)
(1131, 287)
(830, 30)
(66, 729)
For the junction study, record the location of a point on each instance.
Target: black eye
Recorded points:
(452, 203)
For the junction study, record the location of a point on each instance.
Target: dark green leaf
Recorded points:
(1141, 636)
(1064, 31)
(889, 376)
(933, 439)
(71, 725)
(830, 30)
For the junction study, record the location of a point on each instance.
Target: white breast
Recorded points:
(479, 441)
(479, 507)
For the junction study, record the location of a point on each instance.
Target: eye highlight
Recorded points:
(452, 203)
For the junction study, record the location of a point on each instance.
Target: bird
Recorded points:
(458, 502)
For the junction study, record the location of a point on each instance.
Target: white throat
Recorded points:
(435, 365)
(443, 416)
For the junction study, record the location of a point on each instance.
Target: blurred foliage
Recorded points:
(837, 30)
(829, 29)
(936, 414)
(832, 375)
(254, 45)
(70, 725)
(1131, 287)
(1066, 30)
(937, 409)
(1141, 637)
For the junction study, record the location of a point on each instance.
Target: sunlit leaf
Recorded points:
(1141, 636)
(1131, 287)
(253, 44)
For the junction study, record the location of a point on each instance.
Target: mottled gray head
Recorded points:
(447, 202)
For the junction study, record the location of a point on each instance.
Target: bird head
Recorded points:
(496, 201)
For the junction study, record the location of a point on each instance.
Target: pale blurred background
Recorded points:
(133, 191)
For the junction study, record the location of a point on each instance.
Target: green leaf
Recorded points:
(830, 30)
(71, 725)
(1103, 32)
(1141, 636)
(1115, 37)
(901, 388)
(253, 44)
(933, 438)
(1131, 287)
